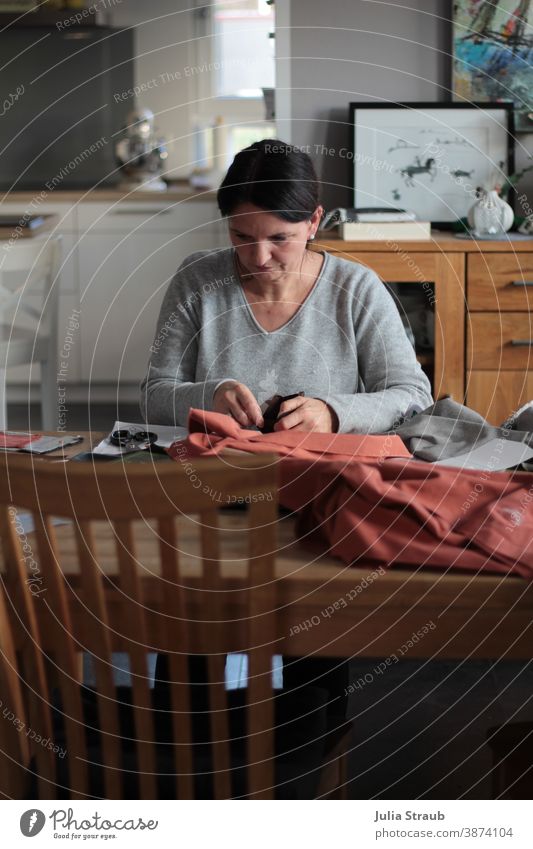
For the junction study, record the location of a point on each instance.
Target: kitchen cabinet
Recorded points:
(118, 259)
(66, 228)
(124, 281)
(128, 253)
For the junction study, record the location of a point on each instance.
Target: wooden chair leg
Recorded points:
(343, 777)
(334, 773)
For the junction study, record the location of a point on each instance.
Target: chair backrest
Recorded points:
(146, 562)
(29, 283)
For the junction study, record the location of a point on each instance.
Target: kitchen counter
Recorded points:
(179, 191)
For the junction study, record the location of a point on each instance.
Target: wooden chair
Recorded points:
(29, 296)
(95, 586)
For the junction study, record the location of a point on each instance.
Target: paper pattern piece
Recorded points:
(493, 456)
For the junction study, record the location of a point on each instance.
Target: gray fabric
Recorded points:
(346, 345)
(447, 429)
(522, 419)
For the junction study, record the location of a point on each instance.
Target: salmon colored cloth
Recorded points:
(211, 433)
(414, 513)
(358, 504)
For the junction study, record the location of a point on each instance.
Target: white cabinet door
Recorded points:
(123, 279)
(164, 216)
(118, 259)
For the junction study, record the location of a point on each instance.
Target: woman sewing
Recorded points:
(270, 316)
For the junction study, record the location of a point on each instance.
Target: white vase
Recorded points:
(490, 215)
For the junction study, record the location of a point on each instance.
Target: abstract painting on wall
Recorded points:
(493, 53)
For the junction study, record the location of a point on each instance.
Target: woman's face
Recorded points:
(268, 247)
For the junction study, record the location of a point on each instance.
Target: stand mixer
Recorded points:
(141, 154)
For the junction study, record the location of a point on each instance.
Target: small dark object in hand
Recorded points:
(271, 414)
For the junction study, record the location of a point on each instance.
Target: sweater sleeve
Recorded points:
(169, 389)
(390, 377)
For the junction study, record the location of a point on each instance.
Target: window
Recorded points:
(243, 47)
(234, 44)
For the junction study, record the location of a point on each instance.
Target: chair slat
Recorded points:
(65, 653)
(216, 662)
(91, 580)
(261, 628)
(138, 641)
(14, 746)
(219, 726)
(22, 603)
(176, 617)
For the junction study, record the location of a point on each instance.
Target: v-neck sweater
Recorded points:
(345, 345)
(248, 304)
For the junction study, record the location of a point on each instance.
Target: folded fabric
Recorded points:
(399, 513)
(211, 433)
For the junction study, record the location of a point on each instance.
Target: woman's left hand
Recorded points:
(307, 414)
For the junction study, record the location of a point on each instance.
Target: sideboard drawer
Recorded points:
(500, 341)
(500, 281)
(496, 398)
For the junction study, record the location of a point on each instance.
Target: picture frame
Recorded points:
(429, 158)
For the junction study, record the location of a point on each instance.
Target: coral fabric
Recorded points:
(398, 513)
(211, 433)
(360, 504)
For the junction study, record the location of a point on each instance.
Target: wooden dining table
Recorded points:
(328, 608)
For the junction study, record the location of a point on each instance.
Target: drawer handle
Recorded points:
(522, 283)
(141, 212)
(522, 343)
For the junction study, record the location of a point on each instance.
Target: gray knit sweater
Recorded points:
(346, 345)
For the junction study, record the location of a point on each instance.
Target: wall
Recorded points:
(164, 39)
(328, 54)
(356, 50)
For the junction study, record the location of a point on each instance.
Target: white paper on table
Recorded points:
(493, 456)
(166, 435)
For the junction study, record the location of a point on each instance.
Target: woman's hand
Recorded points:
(237, 400)
(307, 414)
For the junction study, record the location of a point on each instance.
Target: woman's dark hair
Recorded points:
(273, 175)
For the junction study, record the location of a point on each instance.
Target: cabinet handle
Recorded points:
(522, 283)
(522, 343)
(141, 212)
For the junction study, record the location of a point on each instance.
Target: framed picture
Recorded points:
(429, 157)
(492, 44)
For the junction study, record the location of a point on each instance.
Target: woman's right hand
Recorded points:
(235, 399)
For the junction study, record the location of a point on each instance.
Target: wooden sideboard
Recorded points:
(482, 294)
